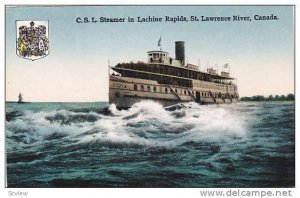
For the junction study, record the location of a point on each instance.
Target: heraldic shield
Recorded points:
(32, 39)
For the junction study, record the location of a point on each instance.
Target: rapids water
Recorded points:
(186, 145)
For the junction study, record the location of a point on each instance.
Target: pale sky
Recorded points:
(260, 53)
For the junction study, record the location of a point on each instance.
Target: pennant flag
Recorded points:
(159, 42)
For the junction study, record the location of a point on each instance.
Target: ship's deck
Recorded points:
(163, 72)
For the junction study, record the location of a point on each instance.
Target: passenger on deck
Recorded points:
(170, 61)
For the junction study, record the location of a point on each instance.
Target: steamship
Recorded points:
(169, 81)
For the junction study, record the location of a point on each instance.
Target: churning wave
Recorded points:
(146, 124)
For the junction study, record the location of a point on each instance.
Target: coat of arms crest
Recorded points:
(32, 39)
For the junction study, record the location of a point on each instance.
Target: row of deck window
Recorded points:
(167, 90)
(156, 89)
(168, 71)
(149, 88)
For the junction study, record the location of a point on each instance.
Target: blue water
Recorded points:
(186, 145)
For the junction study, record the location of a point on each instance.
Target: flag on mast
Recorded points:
(159, 42)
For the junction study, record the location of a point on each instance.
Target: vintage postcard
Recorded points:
(186, 96)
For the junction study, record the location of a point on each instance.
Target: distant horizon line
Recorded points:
(15, 101)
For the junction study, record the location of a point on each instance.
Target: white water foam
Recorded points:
(197, 123)
(146, 123)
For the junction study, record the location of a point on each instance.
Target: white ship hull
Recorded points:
(125, 91)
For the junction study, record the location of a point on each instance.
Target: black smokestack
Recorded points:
(179, 51)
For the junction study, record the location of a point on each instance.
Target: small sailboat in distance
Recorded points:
(20, 98)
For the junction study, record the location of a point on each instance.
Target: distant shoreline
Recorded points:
(267, 100)
(271, 98)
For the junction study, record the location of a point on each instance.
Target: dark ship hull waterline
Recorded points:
(169, 81)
